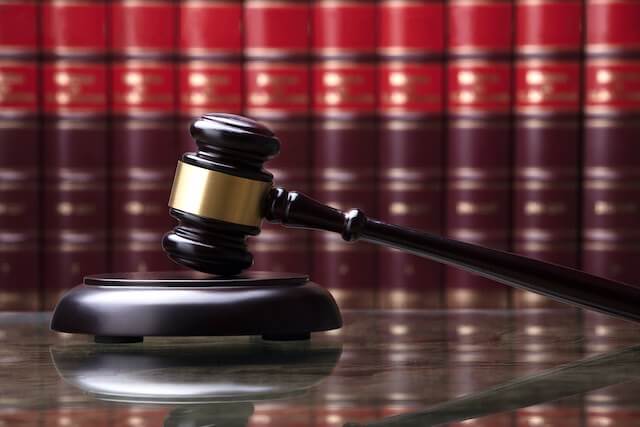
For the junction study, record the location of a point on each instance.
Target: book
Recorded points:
(547, 88)
(277, 85)
(411, 144)
(479, 74)
(344, 177)
(19, 156)
(611, 164)
(74, 167)
(210, 67)
(143, 148)
(345, 141)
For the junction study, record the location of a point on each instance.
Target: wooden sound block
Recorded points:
(125, 307)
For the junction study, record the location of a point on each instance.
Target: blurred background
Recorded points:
(511, 124)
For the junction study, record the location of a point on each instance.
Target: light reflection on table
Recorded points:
(381, 364)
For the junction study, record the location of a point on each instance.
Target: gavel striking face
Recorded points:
(221, 194)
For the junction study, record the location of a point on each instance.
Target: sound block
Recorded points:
(125, 307)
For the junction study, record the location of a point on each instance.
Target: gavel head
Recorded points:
(218, 194)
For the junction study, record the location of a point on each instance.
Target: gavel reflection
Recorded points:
(221, 193)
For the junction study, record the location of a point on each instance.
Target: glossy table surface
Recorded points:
(384, 368)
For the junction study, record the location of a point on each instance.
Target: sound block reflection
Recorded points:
(125, 307)
(193, 372)
(212, 383)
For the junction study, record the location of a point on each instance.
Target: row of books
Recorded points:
(511, 124)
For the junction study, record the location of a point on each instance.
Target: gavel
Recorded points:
(222, 193)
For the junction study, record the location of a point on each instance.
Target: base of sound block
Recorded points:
(125, 308)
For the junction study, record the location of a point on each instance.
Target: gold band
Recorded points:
(216, 195)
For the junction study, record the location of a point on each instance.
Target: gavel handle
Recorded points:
(563, 284)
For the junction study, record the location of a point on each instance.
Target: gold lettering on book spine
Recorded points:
(602, 207)
(538, 208)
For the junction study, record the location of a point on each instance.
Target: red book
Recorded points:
(612, 27)
(548, 27)
(479, 28)
(277, 86)
(411, 106)
(611, 162)
(143, 28)
(277, 29)
(74, 78)
(143, 148)
(18, 28)
(345, 134)
(479, 134)
(19, 154)
(75, 203)
(547, 90)
(74, 28)
(411, 28)
(210, 68)
(19, 211)
(197, 37)
(343, 28)
(344, 177)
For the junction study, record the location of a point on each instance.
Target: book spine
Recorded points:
(277, 86)
(479, 134)
(547, 90)
(611, 161)
(410, 156)
(143, 148)
(74, 78)
(344, 135)
(19, 156)
(210, 62)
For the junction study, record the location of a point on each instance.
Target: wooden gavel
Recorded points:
(221, 193)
